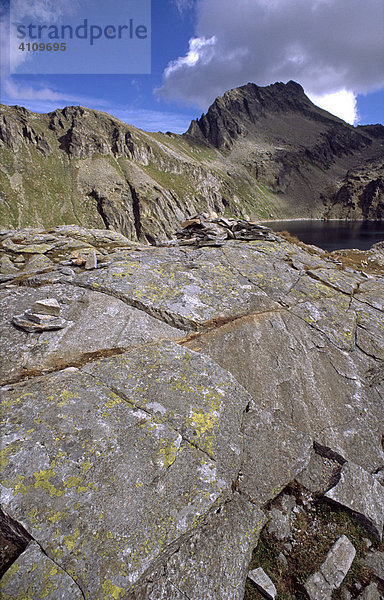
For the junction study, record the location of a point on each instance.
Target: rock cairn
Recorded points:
(208, 229)
(43, 316)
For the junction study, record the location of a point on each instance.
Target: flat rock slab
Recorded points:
(331, 316)
(103, 457)
(186, 290)
(371, 292)
(338, 279)
(369, 331)
(187, 391)
(197, 569)
(95, 323)
(34, 576)
(261, 263)
(332, 572)
(303, 380)
(358, 491)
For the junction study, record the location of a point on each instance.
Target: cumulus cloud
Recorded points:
(334, 48)
(343, 104)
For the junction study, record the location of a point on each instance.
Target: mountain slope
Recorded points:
(258, 152)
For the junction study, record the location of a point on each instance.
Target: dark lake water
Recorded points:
(333, 235)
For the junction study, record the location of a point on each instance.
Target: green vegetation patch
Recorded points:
(314, 531)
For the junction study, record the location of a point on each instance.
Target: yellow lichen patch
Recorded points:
(20, 488)
(70, 540)
(111, 591)
(5, 453)
(114, 401)
(55, 516)
(73, 481)
(8, 575)
(33, 518)
(203, 423)
(168, 454)
(65, 395)
(42, 481)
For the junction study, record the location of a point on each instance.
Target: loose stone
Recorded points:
(263, 583)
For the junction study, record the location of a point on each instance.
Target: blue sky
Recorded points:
(200, 48)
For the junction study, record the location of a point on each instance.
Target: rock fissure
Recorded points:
(78, 586)
(177, 321)
(117, 392)
(317, 328)
(178, 589)
(16, 533)
(75, 363)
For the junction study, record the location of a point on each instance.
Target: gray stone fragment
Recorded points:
(282, 560)
(375, 560)
(67, 271)
(34, 576)
(371, 592)
(263, 583)
(6, 266)
(338, 561)
(361, 493)
(280, 524)
(320, 474)
(37, 263)
(346, 594)
(321, 584)
(318, 588)
(91, 262)
(50, 306)
(31, 326)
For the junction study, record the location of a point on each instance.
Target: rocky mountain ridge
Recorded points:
(190, 421)
(258, 153)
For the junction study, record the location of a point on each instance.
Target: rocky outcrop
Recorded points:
(191, 421)
(361, 194)
(258, 153)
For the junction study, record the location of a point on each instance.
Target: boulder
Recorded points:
(359, 492)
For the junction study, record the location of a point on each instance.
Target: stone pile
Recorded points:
(43, 316)
(207, 229)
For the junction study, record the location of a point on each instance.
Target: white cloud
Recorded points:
(184, 5)
(343, 104)
(329, 46)
(200, 50)
(43, 99)
(27, 93)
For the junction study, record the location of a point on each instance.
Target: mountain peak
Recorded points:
(235, 113)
